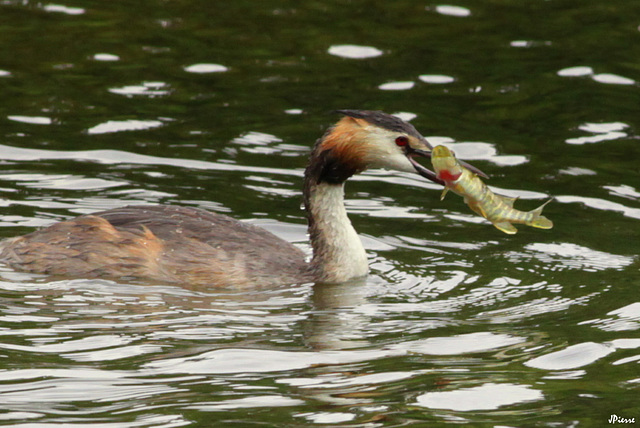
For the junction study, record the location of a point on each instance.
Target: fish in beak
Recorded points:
(427, 173)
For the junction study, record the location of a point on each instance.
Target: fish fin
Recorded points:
(542, 223)
(506, 227)
(508, 200)
(444, 193)
(478, 210)
(539, 220)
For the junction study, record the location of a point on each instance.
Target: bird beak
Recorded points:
(427, 173)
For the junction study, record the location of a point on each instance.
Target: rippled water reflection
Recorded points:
(216, 106)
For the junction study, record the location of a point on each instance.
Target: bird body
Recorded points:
(160, 243)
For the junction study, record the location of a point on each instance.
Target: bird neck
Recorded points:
(338, 254)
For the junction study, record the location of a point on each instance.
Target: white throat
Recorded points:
(338, 254)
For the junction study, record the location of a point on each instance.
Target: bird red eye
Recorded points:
(402, 141)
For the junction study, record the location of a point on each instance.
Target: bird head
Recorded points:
(370, 139)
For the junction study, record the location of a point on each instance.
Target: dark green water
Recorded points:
(214, 104)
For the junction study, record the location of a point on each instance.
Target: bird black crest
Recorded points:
(383, 120)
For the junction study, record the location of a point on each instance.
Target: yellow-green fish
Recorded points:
(495, 208)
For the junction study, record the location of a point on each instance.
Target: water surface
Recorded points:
(215, 105)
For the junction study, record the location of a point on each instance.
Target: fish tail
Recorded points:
(539, 220)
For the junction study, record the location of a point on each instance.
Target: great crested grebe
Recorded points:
(191, 245)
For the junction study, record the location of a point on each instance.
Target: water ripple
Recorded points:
(600, 204)
(397, 86)
(489, 396)
(561, 256)
(205, 68)
(239, 360)
(437, 79)
(626, 318)
(33, 120)
(602, 132)
(354, 51)
(123, 125)
(148, 89)
(60, 8)
(450, 10)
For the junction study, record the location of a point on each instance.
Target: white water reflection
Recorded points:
(337, 380)
(107, 57)
(121, 157)
(528, 43)
(577, 71)
(263, 143)
(580, 355)
(461, 344)
(254, 138)
(383, 208)
(206, 68)
(255, 402)
(561, 256)
(327, 417)
(240, 360)
(397, 86)
(576, 171)
(405, 115)
(624, 191)
(60, 181)
(60, 8)
(626, 318)
(600, 204)
(451, 10)
(490, 396)
(606, 78)
(33, 120)
(79, 384)
(119, 353)
(572, 357)
(123, 125)
(149, 89)
(354, 51)
(103, 341)
(535, 307)
(602, 132)
(437, 79)
(612, 79)
(19, 416)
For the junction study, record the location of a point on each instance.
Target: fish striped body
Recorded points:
(495, 208)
